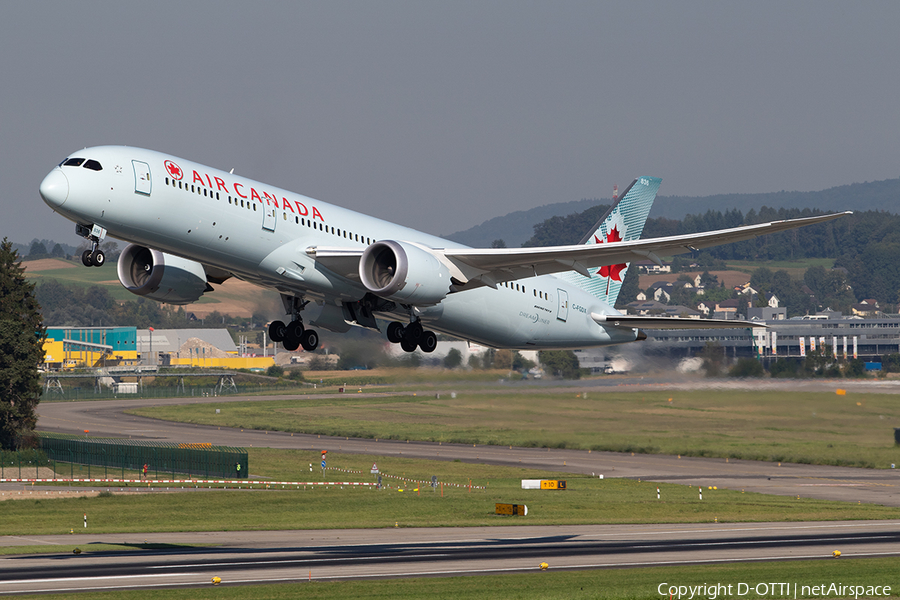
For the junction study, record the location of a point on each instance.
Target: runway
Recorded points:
(301, 556)
(847, 484)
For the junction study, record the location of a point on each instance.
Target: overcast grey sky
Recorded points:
(440, 115)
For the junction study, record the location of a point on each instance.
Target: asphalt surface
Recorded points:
(297, 556)
(241, 558)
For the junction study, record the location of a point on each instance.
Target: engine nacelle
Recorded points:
(160, 276)
(404, 273)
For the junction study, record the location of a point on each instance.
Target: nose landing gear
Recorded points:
(95, 257)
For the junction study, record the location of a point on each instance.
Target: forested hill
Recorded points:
(517, 227)
(871, 195)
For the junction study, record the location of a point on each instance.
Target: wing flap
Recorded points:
(343, 261)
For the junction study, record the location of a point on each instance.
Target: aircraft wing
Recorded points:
(494, 265)
(473, 267)
(653, 322)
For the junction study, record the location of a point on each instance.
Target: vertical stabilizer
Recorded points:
(624, 222)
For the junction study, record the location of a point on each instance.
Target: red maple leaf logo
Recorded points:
(611, 271)
(174, 170)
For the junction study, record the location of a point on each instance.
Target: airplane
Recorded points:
(191, 226)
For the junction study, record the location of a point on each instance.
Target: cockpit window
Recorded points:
(73, 162)
(93, 165)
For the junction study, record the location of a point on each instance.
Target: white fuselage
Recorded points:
(261, 234)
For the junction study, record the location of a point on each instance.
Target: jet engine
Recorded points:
(160, 276)
(404, 273)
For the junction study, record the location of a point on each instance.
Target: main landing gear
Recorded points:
(294, 334)
(412, 336)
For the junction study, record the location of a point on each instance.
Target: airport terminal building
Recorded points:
(843, 337)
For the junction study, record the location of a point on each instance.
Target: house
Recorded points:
(651, 268)
(771, 300)
(661, 291)
(704, 308)
(864, 309)
(729, 306)
(682, 311)
(647, 307)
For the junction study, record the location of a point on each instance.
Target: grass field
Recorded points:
(801, 427)
(76, 274)
(795, 268)
(611, 584)
(586, 501)
(233, 297)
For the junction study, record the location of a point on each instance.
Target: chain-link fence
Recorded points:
(146, 458)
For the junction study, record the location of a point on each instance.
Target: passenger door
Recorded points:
(142, 182)
(269, 218)
(562, 312)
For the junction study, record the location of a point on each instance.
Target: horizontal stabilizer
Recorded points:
(651, 322)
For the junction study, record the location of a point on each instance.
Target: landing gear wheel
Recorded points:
(428, 341)
(309, 340)
(408, 345)
(395, 332)
(86, 258)
(98, 258)
(413, 333)
(290, 344)
(277, 330)
(294, 330)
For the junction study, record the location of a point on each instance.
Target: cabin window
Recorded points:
(73, 162)
(93, 165)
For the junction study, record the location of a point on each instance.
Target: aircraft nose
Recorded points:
(55, 188)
